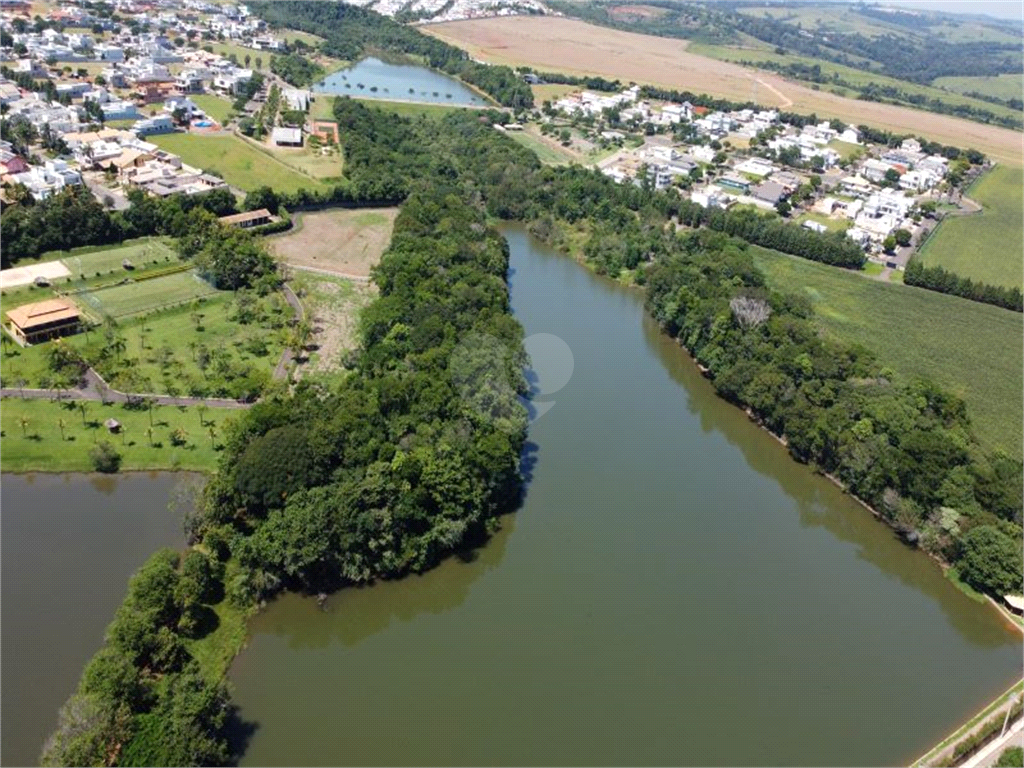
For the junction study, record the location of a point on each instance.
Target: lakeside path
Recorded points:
(998, 708)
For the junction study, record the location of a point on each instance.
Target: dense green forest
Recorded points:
(351, 33)
(295, 69)
(939, 279)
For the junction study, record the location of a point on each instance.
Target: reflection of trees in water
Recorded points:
(353, 614)
(820, 503)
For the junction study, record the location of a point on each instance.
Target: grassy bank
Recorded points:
(972, 349)
(986, 246)
(236, 162)
(40, 446)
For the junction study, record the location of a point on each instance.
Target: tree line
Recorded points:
(143, 699)
(937, 278)
(295, 69)
(351, 33)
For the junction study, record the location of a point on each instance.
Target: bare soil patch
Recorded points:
(333, 306)
(343, 241)
(578, 48)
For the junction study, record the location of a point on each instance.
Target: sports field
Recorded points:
(985, 246)
(144, 296)
(975, 350)
(238, 163)
(577, 48)
(139, 253)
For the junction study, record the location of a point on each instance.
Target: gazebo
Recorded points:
(113, 425)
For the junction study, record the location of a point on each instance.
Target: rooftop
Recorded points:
(42, 312)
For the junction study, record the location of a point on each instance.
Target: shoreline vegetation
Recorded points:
(417, 452)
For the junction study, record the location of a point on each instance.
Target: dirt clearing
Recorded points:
(578, 48)
(342, 241)
(332, 305)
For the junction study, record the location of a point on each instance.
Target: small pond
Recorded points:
(375, 79)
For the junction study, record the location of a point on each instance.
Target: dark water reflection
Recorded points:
(674, 590)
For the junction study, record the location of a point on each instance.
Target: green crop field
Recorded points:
(238, 163)
(144, 296)
(985, 246)
(974, 350)
(214, 106)
(998, 86)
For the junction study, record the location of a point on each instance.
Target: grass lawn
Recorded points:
(214, 106)
(846, 151)
(188, 350)
(141, 253)
(834, 225)
(551, 92)
(998, 86)
(974, 350)
(985, 247)
(240, 164)
(409, 109)
(548, 153)
(40, 447)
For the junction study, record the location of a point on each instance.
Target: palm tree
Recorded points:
(259, 62)
(21, 381)
(62, 424)
(23, 420)
(124, 431)
(83, 407)
(212, 431)
(202, 409)
(150, 402)
(149, 435)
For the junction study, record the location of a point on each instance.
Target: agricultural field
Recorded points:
(42, 445)
(333, 305)
(998, 86)
(216, 107)
(237, 162)
(856, 77)
(578, 48)
(223, 345)
(975, 350)
(344, 241)
(985, 246)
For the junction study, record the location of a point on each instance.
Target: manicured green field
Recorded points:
(140, 253)
(238, 163)
(214, 106)
(40, 447)
(191, 349)
(146, 295)
(985, 246)
(998, 86)
(974, 350)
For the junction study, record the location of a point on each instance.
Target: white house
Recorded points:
(48, 179)
(111, 53)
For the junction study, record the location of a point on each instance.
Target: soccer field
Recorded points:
(140, 253)
(145, 296)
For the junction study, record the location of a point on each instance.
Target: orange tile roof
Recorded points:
(42, 312)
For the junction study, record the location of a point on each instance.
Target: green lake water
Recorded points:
(69, 544)
(674, 590)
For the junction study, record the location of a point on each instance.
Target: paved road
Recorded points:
(94, 388)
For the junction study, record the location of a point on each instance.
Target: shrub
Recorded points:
(104, 457)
